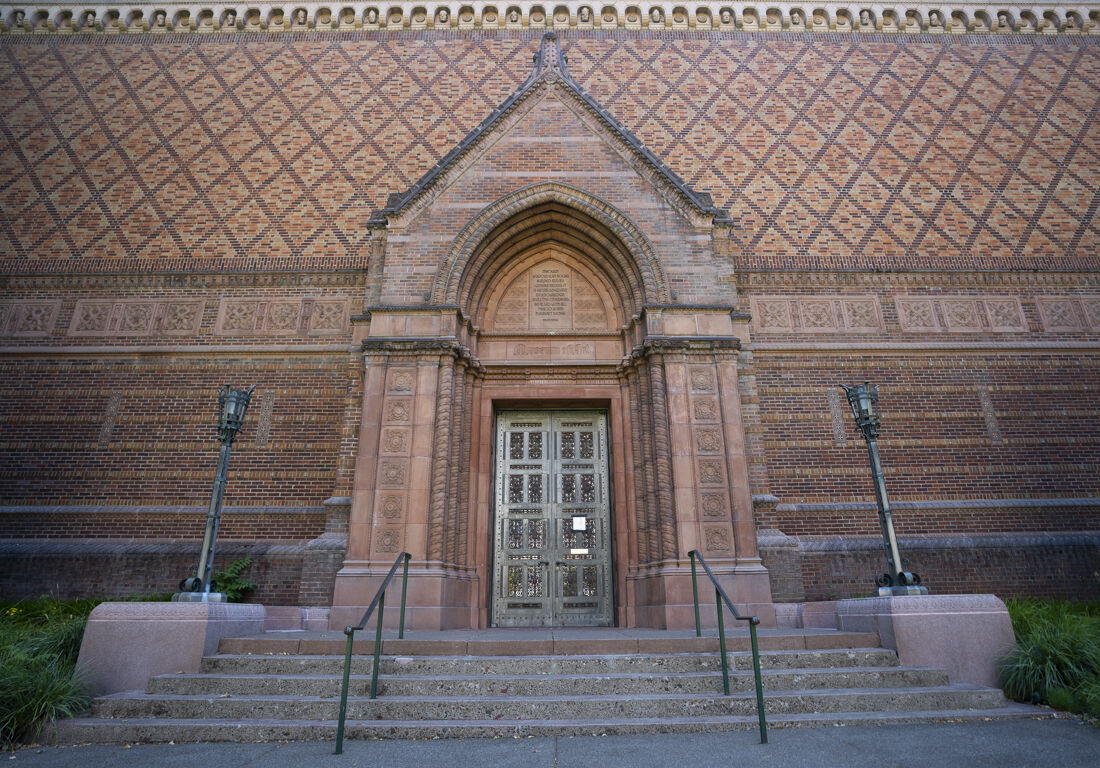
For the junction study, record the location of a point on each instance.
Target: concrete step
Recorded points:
(543, 685)
(229, 707)
(334, 643)
(538, 665)
(163, 730)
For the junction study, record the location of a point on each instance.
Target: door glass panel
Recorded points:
(586, 445)
(534, 445)
(568, 445)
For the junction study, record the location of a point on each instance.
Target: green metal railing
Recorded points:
(720, 597)
(378, 602)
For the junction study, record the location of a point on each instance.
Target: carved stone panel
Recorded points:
(29, 318)
(391, 507)
(402, 380)
(387, 540)
(717, 539)
(288, 316)
(136, 317)
(705, 409)
(392, 473)
(395, 440)
(711, 473)
(1069, 313)
(713, 505)
(397, 410)
(960, 314)
(816, 314)
(708, 440)
(702, 380)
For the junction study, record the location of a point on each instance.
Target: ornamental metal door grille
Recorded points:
(552, 543)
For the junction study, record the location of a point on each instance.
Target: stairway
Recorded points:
(286, 686)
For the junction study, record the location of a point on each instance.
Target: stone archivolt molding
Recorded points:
(275, 17)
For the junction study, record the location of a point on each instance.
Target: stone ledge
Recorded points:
(127, 643)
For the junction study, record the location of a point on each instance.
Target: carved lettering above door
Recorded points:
(550, 297)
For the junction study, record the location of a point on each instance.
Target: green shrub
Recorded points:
(39, 644)
(1057, 655)
(230, 583)
(35, 690)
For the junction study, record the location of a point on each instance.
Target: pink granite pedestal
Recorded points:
(127, 643)
(965, 634)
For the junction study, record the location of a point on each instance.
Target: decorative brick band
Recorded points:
(847, 544)
(949, 504)
(268, 17)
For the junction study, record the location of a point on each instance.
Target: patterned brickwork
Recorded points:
(868, 152)
(935, 439)
(161, 447)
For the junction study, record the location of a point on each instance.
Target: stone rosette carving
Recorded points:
(711, 473)
(713, 505)
(402, 380)
(392, 473)
(387, 540)
(705, 409)
(395, 440)
(708, 440)
(716, 540)
(397, 411)
(392, 506)
(702, 380)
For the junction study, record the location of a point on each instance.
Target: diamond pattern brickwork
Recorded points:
(827, 151)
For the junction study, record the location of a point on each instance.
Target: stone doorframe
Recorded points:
(435, 373)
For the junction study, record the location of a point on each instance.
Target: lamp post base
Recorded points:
(898, 591)
(198, 597)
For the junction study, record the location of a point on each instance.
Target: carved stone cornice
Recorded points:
(413, 346)
(371, 17)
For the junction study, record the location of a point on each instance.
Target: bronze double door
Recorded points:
(552, 530)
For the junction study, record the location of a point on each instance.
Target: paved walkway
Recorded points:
(1064, 743)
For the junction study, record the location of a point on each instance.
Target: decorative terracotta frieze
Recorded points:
(277, 18)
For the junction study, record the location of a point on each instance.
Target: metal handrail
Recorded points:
(720, 597)
(378, 602)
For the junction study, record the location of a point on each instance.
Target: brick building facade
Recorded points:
(693, 222)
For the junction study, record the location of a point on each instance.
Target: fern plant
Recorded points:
(230, 582)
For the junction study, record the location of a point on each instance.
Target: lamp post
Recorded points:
(232, 404)
(864, 401)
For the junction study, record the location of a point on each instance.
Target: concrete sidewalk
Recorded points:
(1065, 743)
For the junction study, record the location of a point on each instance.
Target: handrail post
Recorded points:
(377, 647)
(695, 594)
(722, 643)
(404, 590)
(350, 632)
(759, 683)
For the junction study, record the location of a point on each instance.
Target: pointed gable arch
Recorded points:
(552, 212)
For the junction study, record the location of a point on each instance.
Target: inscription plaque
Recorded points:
(551, 297)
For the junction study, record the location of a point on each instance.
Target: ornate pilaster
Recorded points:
(441, 516)
(663, 450)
